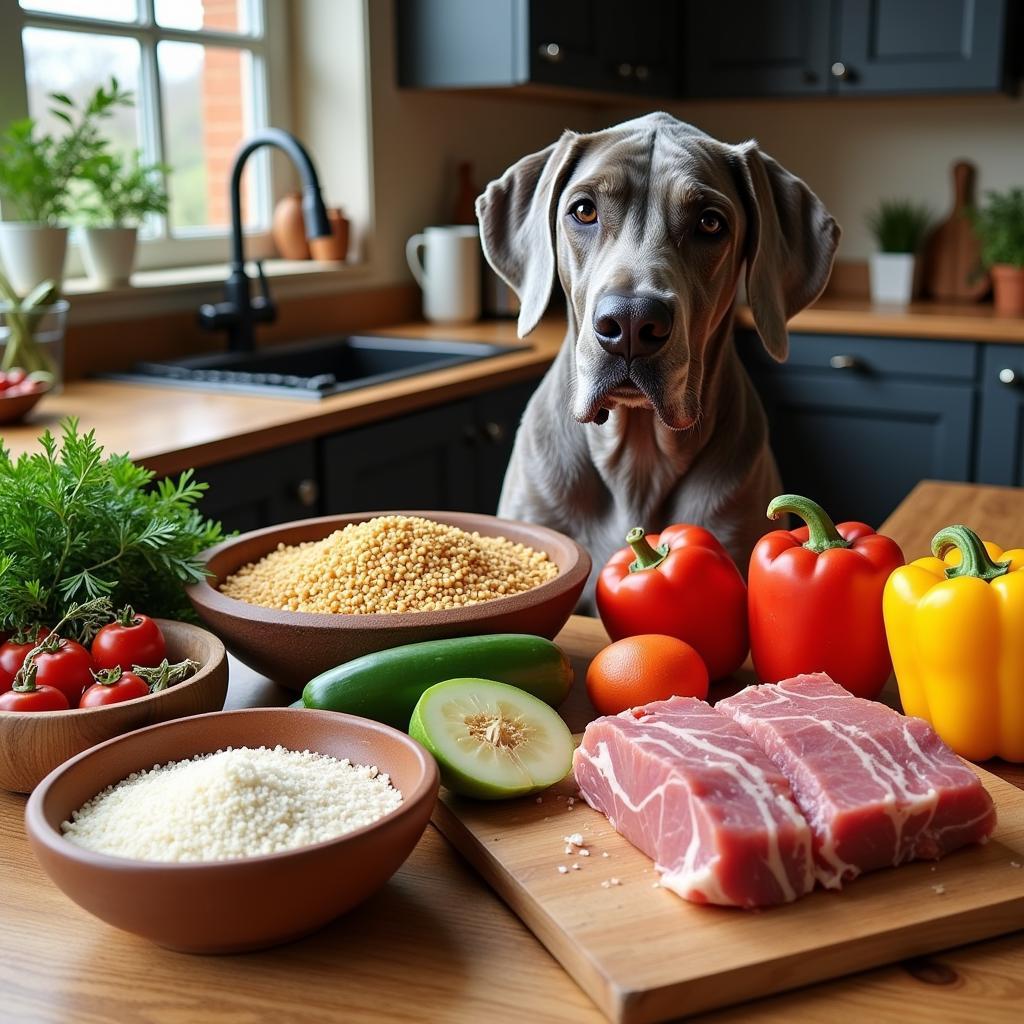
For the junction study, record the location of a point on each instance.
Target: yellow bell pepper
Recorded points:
(955, 626)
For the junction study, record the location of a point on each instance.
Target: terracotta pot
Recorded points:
(334, 247)
(289, 229)
(1008, 283)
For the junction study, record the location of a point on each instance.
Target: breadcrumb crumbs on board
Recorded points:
(237, 802)
(390, 564)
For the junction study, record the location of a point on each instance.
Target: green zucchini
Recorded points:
(386, 686)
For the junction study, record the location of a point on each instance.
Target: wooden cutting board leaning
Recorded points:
(952, 254)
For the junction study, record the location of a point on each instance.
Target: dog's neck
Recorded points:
(640, 460)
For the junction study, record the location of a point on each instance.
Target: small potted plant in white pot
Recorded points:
(122, 192)
(37, 171)
(1000, 226)
(899, 227)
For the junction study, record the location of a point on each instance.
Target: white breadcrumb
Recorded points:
(939, 889)
(584, 852)
(562, 869)
(575, 839)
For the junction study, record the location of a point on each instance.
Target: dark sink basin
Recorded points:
(313, 369)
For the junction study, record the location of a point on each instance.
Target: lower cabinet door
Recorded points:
(1000, 455)
(263, 489)
(858, 445)
(423, 461)
(498, 416)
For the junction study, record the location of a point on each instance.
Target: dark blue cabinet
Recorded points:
(856, 422)
(901, 46)
(1000, 449)
(771, 48)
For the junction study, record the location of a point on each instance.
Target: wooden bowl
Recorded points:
(17, 407)
(32, 745)
(292, 647)
(245, 903)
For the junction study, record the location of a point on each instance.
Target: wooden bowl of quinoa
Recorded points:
(294, 600)
(207, 796)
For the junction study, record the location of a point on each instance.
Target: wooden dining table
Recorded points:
(436, 944)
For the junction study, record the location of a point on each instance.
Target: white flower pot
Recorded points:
(893, 276)
(32, 253)
(109, 255)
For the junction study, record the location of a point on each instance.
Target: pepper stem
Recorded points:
(647, 557)
(974, 559)
(823, 534)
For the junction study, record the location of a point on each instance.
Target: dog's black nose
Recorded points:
(632, 326)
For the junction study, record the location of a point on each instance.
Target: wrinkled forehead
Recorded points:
(659, 167)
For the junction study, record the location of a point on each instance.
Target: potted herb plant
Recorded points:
(1000, 226)
(899, 227)
(37, 172)
(122, 191)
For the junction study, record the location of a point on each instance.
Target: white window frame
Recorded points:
(270, 104)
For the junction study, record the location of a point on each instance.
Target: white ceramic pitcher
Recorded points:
(446, 263)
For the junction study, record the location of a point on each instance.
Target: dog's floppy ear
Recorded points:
(791, 243)
(517, 225)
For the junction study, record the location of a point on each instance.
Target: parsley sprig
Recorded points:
(75, 525)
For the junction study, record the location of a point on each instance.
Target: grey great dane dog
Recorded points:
(647, 417)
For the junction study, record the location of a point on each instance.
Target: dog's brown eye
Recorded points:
(711, 223)
(584, 212)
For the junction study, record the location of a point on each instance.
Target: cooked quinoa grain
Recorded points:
(390, 564)
(239, 802)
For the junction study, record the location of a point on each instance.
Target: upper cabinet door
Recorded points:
(902, 46)
(771, 48)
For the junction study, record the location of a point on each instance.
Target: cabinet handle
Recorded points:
(1008, 376)
(845, 362)
(550, 52)
(624, 70)
(642, 72)
(495, 432)
(308, 493)
(841, 71)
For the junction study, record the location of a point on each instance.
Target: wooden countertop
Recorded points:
(436, 944)
(170, 429)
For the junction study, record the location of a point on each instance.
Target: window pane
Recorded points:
(207, 102)
(109, 10)
(220, 15)
(76, 63)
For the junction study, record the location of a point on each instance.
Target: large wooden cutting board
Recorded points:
(952, 254)
(643, 954)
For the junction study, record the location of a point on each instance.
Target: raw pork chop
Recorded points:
(687, 786)
(877, 788)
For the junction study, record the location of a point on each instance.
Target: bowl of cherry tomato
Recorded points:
(136, 671)
(19, 393)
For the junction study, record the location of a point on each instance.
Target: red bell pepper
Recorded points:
(815, 598)
(682, 583)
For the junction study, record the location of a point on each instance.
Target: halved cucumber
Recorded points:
(491, 740)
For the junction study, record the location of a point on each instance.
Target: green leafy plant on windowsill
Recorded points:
(38, 169)
(899, 225)
(121, 191)
(999, 224)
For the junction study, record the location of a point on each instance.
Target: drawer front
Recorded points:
(854, 356)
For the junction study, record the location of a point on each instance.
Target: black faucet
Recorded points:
(239, 312)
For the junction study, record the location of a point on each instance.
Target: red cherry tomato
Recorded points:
(68, 668)
(130, 640)
(112, 687)
(12, 657)
(41, 698)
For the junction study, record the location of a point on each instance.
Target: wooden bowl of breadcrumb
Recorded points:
(292, 601)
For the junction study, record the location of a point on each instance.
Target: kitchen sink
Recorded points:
(314, 369)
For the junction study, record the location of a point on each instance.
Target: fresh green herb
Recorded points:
(75, 526)
(899, 225)
(122, 191)
(1000, 226)
(37, 168)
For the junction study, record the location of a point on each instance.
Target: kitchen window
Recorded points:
(205, 73)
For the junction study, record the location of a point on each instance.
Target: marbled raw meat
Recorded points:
(878, 789)
(689, 788)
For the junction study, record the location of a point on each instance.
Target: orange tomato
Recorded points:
(639, 669)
